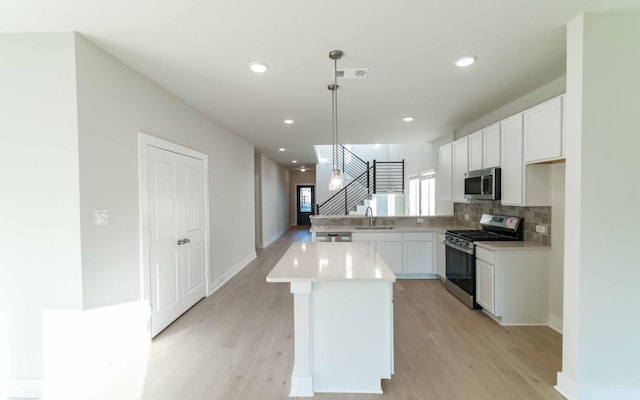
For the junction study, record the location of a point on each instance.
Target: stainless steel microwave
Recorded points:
(482, 184)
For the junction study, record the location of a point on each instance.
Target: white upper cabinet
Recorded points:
(543, 131)
(491, 146)
(460, 167)
(511, 160)
(445, 173)
(484, 148)
(475, 151)
(522, 185)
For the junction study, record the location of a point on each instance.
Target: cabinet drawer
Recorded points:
(419, 236)
(485, 255)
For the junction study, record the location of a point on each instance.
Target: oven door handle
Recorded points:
(455, 246)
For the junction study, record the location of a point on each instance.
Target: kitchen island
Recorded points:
(343, 317)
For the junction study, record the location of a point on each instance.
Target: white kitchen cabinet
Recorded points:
(418, 253)
(442, 257)
(522, 185)
(460, 167)
(543, 131)
(512, 284)
(475, 151)
(445, 173)
(387, 244)
(408, 254)
(485, 286)
(391, 253)
(491, 146)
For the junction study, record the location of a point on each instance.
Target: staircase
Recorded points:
(362, 181)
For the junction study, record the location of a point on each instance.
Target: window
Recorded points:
(422, 196)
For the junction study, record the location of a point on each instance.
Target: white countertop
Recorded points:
(493, 246)
(396, 228)
(330, 262)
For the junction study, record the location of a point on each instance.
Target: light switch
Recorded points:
(541, 229)
(419, 220)
(101, 217)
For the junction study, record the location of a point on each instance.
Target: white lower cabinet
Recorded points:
(484, 286)
(391, 253)
(408, 254)
(512, 284)
(418, 253)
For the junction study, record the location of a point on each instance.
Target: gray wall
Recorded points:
(275, 199)
(70, 118)
(114, 104)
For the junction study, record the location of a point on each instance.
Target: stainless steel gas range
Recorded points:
(460, 253)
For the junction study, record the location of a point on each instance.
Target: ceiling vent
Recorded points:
(353, 73)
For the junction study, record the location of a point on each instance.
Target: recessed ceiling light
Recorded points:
(303, 169)
(288, 121)
(466, 61)
(281, 149)
(294, 161)
(408, 118)
(258, 67)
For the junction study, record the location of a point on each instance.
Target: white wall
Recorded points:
(115, 103)
(601, 331)
(299, 178)
(40, 228)
(274, 182)
(543, 93)
(417, 157)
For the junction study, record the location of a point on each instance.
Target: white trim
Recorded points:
(24, 388)
(555, 323)
(301, 386)
(572, 391)
(273, 237)
(566, 386)
(213, 286)
(145, 140)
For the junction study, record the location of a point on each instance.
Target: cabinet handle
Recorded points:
(180, 242)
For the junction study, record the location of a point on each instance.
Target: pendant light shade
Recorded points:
(337, 178)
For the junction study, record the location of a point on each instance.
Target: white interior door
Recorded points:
(177, 255)
(193, 250)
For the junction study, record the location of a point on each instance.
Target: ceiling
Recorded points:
(200, 51)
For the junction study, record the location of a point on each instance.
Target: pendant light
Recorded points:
(337, 178)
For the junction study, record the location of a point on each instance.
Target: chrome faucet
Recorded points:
(372, 219)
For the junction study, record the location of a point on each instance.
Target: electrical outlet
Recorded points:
(420, 220)
(541, 229)
(466, 216)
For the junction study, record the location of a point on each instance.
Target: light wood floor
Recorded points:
(238, 344)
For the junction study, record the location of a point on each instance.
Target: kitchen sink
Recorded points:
(374, 227)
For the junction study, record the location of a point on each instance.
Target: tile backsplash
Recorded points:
(532, 216)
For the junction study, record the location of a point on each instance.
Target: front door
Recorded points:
(305, 203)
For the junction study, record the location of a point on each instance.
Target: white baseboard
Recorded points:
(566, 386)
(272, 238)
(555, 323)
(24, 388)
(570, 390)
(301, 386)
(217, 284)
